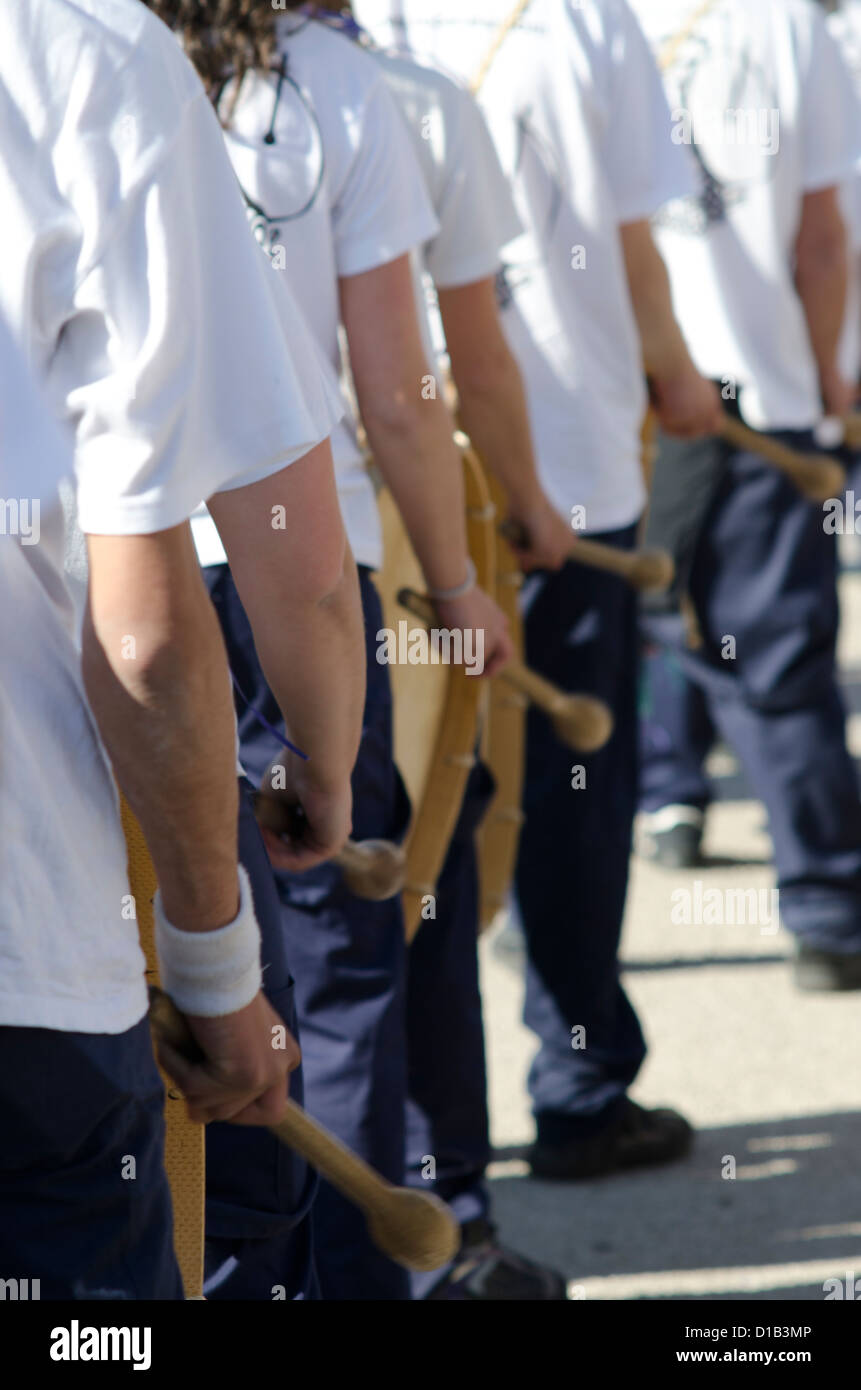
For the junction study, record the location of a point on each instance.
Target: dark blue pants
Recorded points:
(572, 868)
(764, 574)
(348, 957)
(259, 1193)
(676, 729)
(448, 1140)
(77, 1109)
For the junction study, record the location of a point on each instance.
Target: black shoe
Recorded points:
(486, 1270)
(637, 1138)
(672, 837)
(823, 971)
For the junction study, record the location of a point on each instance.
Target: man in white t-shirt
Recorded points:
(128, 279)
(764, 107)
(336, 198)
(575, 108)
(447, 1112)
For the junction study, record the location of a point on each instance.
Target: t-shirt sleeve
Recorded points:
(475, 208)
(645, 169)
(831, 111)
(381, 209)
(184, 368)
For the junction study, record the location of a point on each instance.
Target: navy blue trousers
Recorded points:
(572, 868)
(448, 1139)
(348, 957)
(78, 1110)
(764, 574)
(259, 1243)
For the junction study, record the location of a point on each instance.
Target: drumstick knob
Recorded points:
(373, 869)
(652, 570)
(582, 721)
(585, 725)
(415, 1229)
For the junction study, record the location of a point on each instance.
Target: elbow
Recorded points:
(397, 413)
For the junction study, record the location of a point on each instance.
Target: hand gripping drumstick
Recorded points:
(372, 869)
(581, 721)
(415, 1229)
(643, 569)
(816, 476)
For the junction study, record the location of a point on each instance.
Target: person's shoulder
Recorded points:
(115, 30)
(342, 64)
(430, 86)
(117, 47)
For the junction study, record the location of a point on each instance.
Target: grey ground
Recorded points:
(767, 1075)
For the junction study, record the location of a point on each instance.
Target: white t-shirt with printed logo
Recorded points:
(576, 110)
(180, 368)
(773, 115)
(336, 191)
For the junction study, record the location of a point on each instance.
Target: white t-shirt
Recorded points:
(128, 276)
(336, 192)
(576, 110)
(773, 116)
(69, 960)
(468, 188)
(845, 25)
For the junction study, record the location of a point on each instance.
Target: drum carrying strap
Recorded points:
(505, 28)
(671, 46)
(185, 1152)
(665, 58)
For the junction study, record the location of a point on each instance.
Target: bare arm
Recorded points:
(686, 403)
(410, 436)
(822, 278)
(494, 413)
(296, 577)
(156, 677)
(412, 441)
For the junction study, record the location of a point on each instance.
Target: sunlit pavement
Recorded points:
(770, 1078)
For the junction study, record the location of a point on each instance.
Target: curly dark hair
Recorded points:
(223, 38)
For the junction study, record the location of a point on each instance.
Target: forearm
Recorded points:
(664, 351)
(822, 284)
(494, 413)
(157, 680)
(413, 446)
(314, 664)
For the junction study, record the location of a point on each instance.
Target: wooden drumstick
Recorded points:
(816, 476)
(581, 721)
(372, 869)
(852, 429)
(648, 570)
(415, 1229)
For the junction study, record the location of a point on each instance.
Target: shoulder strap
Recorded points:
(667, 53)
(499, 38)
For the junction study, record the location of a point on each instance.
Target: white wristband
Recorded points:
(446, 595)
(211, 973)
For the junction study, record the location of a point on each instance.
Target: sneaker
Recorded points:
(637, 1138)
(486, 1270)
(813, 969)
(672, 837)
